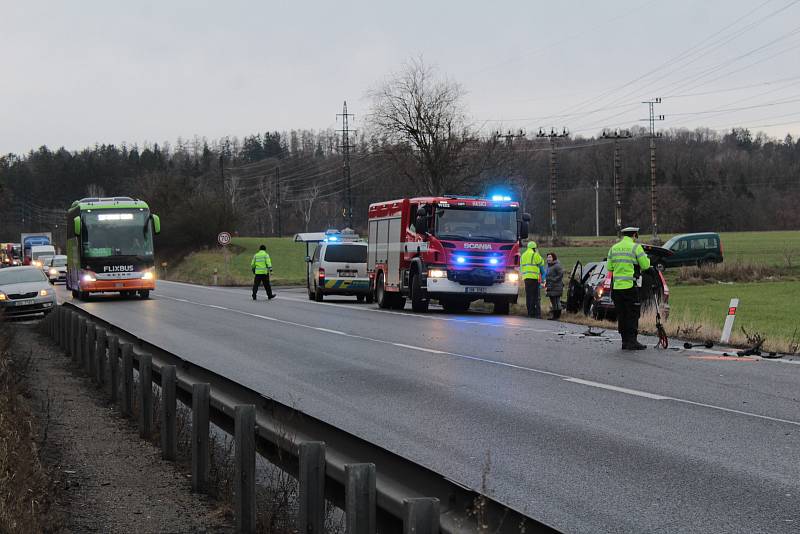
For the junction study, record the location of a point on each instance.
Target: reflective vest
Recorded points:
(531, 264)
(261, 262)
(623, 258)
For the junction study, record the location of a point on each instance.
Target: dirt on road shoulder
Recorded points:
(106, 479)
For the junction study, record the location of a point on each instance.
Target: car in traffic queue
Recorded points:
(590, 287)
(338, 267)
(56, 269)
(25, 290)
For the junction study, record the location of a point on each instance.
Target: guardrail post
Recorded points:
(201, 394)
(169, 428)
(145, 395)
(100, 357)
(127, 380)
(89, 348)
(360, 498)
(74, 335)
(311, 511)
(80, 331)
(66, 325)
(421, 516)
(113, 363)
(62, 316)
(245, 480)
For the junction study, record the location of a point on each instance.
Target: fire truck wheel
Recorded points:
(418, 304)
(398, 302)
(380, 293)
(502, 307)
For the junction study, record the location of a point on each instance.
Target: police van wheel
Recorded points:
(310, 294)
(502, 307)
(318, 295)
(418, 303)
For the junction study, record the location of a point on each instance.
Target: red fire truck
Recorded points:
(452, 249)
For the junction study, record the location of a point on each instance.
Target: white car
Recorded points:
(56, 269)
(25, 290)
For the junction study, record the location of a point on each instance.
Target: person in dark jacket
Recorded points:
(554, 284)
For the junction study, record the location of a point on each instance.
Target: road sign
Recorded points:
(224, 238)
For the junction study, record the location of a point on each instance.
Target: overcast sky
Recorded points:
(76, 73)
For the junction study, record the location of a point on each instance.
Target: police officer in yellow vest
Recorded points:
(261, 265)
(531, 266)
(626, 261)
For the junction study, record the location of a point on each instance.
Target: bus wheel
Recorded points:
(144, 294)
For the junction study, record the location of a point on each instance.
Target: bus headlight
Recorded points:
(437, 273)
(88, 278)
(512, 277)
(148, 275)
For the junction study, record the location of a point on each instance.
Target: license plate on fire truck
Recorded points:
(475, 290)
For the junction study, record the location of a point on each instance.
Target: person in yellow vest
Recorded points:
(531, 265)
(626, 261)
(261, 265)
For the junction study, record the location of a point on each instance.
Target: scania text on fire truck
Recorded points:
(452, 249)
(111, 247)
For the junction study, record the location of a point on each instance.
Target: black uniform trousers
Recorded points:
(532, 298)
(627, 306)
(262, 279)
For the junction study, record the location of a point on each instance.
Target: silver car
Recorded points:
(56, 269)
(24, 291)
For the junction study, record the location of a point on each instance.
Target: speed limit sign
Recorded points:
(224, 238)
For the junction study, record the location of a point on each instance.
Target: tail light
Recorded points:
(321, 273)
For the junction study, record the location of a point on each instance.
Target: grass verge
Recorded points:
(25, 484)
(233, 265)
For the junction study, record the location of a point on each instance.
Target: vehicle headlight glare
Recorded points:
(437, 273)
(512, 277)
(2, 296)
(89, 278)
(44, 293)
(53, 271)
(148, 275)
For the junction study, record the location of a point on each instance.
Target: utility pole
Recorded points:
(278, 199)
(509, 137)
(616, 135)
(553, 135)
(345, 147)
(597, 207)
(653, 200)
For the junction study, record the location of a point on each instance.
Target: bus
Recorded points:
(111, 247)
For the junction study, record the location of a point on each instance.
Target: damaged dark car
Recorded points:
(589, 290)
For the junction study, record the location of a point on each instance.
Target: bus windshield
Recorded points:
(107, 233)
(467, 224)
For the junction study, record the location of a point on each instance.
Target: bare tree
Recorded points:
(266, 196)
(305, 205)
(421, 115)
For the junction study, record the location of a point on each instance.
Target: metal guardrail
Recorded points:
(329, 463)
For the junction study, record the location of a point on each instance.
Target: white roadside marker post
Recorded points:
(726, 330)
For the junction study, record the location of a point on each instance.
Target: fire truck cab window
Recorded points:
(476, 225)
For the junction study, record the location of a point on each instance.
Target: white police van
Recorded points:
(338, 265)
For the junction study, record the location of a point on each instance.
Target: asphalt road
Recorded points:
(565, 428)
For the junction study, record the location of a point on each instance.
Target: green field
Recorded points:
(769, 306)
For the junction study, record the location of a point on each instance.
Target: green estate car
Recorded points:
(692, 249)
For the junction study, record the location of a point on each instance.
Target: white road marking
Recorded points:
(627, 391)
(609, 387)
(609, 335)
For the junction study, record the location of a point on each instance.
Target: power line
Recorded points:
(653, 199)
(553, 135)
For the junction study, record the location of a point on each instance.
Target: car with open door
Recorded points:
(589, 289)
